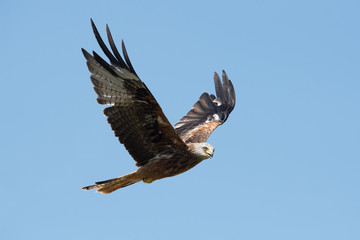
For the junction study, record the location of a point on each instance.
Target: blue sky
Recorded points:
(287, 161)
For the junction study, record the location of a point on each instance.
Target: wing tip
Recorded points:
(85, 53)
(225, 90)
(117, 59)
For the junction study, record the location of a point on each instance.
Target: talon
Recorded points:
(147, 180)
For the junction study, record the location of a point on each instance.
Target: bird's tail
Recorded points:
(111, 185)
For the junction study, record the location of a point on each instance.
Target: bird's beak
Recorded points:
(210, 154)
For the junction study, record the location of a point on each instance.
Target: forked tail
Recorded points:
(111, 185)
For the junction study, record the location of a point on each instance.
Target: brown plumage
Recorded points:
(138, 121)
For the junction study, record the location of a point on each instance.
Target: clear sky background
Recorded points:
(287, 161)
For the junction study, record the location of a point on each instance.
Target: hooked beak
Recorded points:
(210, 154)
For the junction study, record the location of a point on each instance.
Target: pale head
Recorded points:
(202, 150)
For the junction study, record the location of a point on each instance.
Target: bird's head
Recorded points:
(203, 150)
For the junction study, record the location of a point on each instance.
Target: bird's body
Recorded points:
(159, 150)
(165, 164)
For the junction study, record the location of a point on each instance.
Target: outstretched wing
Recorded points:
(134, 115)
(208, 113)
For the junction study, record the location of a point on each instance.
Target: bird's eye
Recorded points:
(205, 148)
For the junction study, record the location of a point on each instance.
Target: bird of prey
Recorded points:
(135, 116)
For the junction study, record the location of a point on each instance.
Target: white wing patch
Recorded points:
(217, 101)
(214, 117)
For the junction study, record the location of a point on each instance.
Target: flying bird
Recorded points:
(159, 149)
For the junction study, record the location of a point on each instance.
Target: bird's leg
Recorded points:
(148, 180)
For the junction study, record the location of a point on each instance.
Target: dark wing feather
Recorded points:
(208, 113)
(134, 115)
